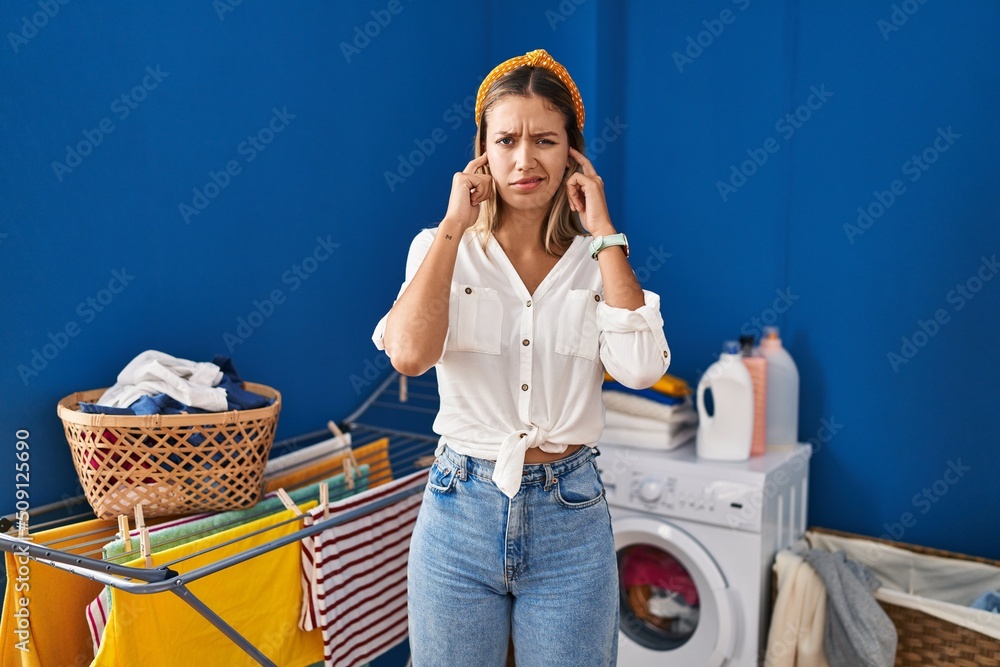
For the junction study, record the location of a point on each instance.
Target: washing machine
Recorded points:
(696, 540)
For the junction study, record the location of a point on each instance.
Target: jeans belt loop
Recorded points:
(548, 477)
(463, 467)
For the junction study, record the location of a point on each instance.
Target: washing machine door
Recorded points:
(676, 606)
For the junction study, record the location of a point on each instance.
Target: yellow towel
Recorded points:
(261, 598)
(375, 454)
(669, 385)
(55, 601)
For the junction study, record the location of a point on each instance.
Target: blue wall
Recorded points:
(672, 127)
(907, 444)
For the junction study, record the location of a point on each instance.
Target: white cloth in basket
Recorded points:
(152, 372)
(795, 638)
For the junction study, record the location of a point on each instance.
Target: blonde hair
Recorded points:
(563, 225)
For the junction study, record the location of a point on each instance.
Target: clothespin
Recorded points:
(337, 433)
(349, 464)
(287, 501)
(140, 522)
(404, 393)
(124, 532)
(145, 550)
(324, 499)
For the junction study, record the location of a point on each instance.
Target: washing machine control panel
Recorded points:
(712, 501)
(725, 503)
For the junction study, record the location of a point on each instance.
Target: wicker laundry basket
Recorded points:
(924, 639)
(171, 464)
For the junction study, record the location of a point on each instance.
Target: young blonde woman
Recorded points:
(521, 298)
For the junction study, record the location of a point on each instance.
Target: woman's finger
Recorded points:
(480, 187)
(475, 164)
(574, 189)
(588, 166)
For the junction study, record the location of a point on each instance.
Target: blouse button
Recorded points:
(528, 305)
(468, 290)
(597, 297)
(524, 387)
(525, 342)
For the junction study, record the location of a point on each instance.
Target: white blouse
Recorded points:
(522, 370)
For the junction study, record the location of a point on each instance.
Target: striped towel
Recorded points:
(97, 614)
(355, 574)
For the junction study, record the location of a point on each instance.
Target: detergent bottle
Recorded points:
(726, 434)
(757, 365)
(782, 391)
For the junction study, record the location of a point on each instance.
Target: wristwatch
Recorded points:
(601, 242)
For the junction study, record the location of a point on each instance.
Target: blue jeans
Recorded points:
(540, 567)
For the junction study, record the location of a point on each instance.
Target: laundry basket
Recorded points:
(924, 636)
(171, 464)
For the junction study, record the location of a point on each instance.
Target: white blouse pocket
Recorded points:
(577, 333)
(475, 319)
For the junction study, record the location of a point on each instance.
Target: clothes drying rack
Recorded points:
(408, 451)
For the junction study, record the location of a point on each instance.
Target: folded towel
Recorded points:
(623, 420)
(647, 394)
(641, 407)
(647, 439)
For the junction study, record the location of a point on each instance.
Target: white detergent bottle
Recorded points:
(782, 391)
(726, 434)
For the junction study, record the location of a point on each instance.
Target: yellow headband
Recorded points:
(537, 58)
